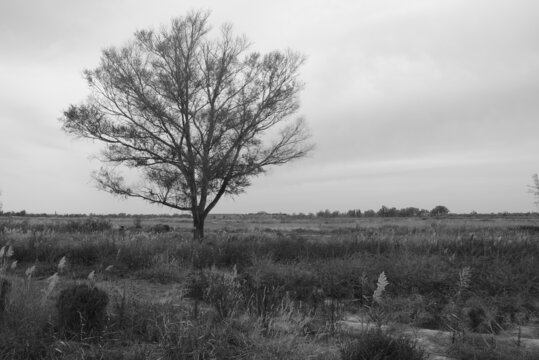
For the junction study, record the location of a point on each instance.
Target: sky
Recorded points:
(410, 103)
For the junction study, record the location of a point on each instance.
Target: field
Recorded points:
(269, 287)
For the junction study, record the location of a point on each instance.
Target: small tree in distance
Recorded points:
(534, 189)
(439, 210)
(191, 114)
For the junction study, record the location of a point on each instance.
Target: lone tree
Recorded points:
(534, 189)
(439, 210)
(196, 116)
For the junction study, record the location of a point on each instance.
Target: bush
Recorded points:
(223, 291)
(161, 228)
(82, 310)
(376, 344)
(483, 317)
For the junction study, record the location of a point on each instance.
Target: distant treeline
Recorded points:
(384, 211)
(14, 213)
(92, 215)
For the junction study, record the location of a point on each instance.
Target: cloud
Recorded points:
(428, 78)
(407, 101)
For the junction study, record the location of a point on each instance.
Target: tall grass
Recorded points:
(247, 287)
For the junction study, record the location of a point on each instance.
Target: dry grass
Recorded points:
(294, 280)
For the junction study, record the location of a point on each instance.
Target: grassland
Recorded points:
(273, 287)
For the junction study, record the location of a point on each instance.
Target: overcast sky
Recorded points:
(411, 103)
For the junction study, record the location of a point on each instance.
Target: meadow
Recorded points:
(269, 287)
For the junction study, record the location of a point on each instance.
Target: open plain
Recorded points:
(268, 286)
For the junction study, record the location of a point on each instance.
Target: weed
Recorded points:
(376, 310)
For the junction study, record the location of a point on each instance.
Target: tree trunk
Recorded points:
(198, 226)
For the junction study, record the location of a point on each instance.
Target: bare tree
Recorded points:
(196, 116)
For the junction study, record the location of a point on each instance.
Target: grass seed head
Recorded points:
(380, 287)
(30, 271)
(52, 281)
(62, 264)
(9, 252)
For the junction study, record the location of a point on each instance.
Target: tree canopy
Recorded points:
(439, 210)
(196, 115)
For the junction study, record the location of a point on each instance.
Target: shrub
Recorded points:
(161, 228)
(223, 291)
(26, 330)
(483, 317)
(376, 344)
(82, 310)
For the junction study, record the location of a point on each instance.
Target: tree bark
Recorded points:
(198, 226)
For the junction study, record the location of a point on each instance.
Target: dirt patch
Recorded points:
(437, 342)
